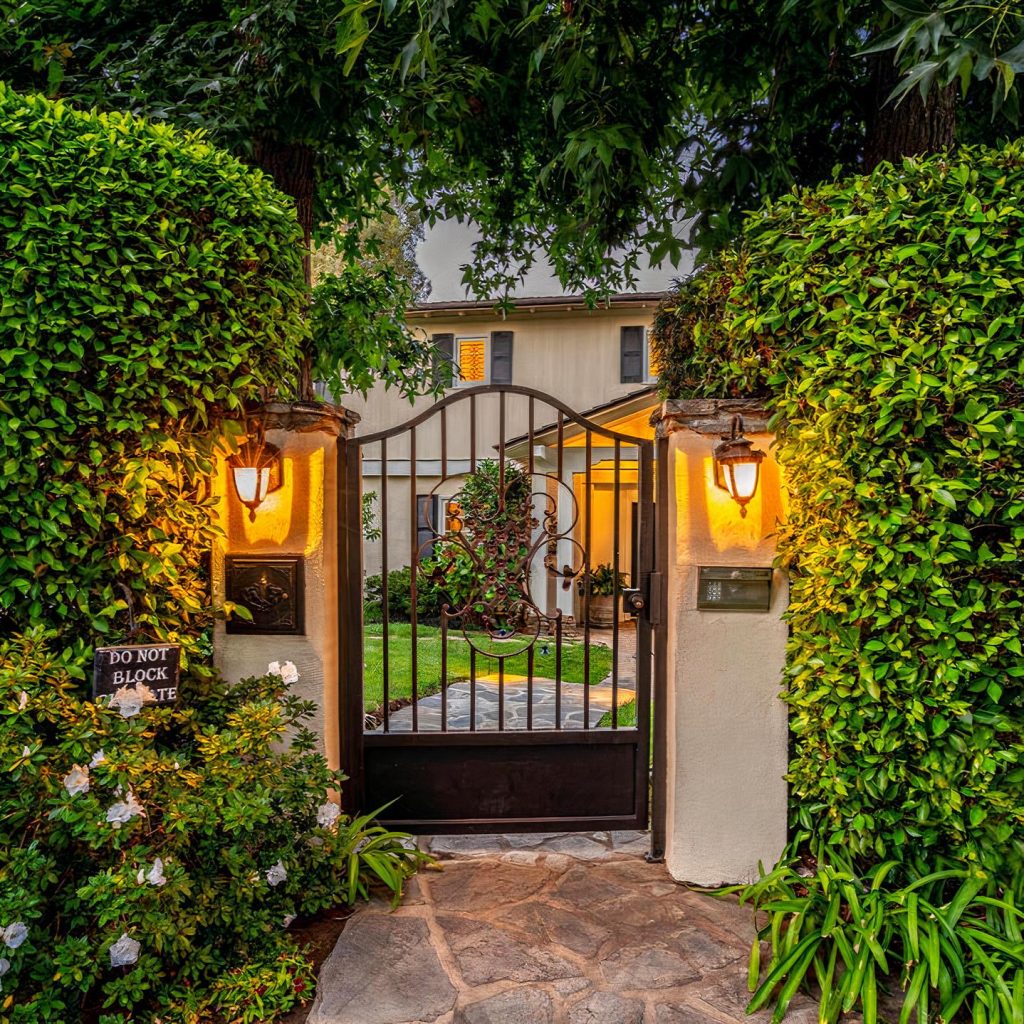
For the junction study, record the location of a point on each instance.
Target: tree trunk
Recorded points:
(912, 126)
(292, 167)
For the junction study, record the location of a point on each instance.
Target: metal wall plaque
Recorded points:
(271, 587)
(734, 588)
(152, 665)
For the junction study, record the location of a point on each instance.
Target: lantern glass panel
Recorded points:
(743, 477)
(251, 483)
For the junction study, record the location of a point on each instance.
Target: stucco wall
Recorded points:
(727, 729)
(572, 356)
(300, 519)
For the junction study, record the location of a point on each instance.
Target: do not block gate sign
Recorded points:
(152, 665)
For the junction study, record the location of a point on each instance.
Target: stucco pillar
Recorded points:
(300, 518)
(727, 733)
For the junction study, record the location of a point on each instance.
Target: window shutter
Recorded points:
(426, 523)
(501, 357)
(444, 345)
(631, 355)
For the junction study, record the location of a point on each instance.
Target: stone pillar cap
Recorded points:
(309, 417)
(709, 415)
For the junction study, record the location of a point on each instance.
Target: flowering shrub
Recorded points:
(151, 858)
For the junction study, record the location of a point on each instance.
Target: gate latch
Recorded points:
(633, 601)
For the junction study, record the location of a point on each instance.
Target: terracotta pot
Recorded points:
(602, 610)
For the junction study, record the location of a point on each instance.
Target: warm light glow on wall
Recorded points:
(707, 522)
(290, 517)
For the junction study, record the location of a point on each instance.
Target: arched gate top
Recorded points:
(503, 389)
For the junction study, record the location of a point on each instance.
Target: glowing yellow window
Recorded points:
(473, 360)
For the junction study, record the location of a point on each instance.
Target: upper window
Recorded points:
(479, 358)
(635, 363)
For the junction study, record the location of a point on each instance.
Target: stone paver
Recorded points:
(519, 697)
(544, 929)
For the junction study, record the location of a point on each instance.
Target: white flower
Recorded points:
(5, 966)
(125, 951)
(288, 672)
(124, 810)
(287, 920)
(277, 874)
(14, 934)
(129, 699)
(98, 758)
(77, 780)
(155, 875)
(23, 701)
(327, 814)
(26, 752)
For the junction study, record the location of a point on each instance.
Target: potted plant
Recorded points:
(602, 584)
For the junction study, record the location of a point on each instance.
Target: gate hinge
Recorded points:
(654, 599)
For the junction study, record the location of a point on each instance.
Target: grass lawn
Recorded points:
(428, 651)
(627, 717)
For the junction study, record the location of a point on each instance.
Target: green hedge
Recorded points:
(883, 315)
(151, 284)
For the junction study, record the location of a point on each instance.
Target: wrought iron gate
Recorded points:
(496, 697)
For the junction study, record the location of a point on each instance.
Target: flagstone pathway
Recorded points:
(544, 929)
(518, 697)
(568, 713)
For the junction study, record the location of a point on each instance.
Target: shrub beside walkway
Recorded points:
(563, 929)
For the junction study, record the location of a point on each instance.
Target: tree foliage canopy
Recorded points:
(582, 130)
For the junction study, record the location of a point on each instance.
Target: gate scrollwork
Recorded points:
(483, 554)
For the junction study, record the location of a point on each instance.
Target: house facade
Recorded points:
(595, 361)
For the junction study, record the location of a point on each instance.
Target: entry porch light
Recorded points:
(737, 465)
(255, 470)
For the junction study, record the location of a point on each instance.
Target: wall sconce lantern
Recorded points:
(737, 465)
(256, 471)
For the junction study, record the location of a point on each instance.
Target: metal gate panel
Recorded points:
(499, 744)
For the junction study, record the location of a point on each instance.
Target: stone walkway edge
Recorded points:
(544, 929)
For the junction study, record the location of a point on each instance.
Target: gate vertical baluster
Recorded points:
(472, 433)
(558, 668)
(529, 689)
(616, 596)
(645, 554)
(351, 702)
(385, 638)
(472, 686)
(472, 649)
(501, 508)
(528, 571)
(501, 452)
(501, 694)
(442, 515)
(530, 438)
(660, 739)
(444, 450)
(414, 519)
(586, 590)
(568, 579)
(444, 668)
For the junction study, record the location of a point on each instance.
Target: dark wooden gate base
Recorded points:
(537, 782)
